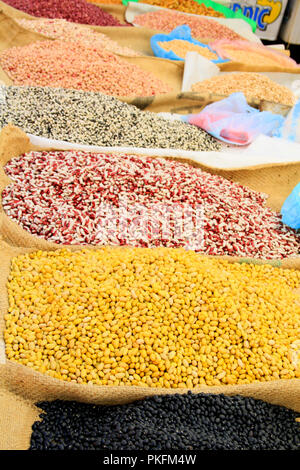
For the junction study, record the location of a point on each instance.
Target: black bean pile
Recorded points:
(95, 119)
(177, 422)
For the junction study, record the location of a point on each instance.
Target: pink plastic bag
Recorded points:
(279, 59)
(233, 121)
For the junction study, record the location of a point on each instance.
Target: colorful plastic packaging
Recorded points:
(233, 121)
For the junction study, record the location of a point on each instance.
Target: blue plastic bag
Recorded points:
(181, 32)
(233, 121)
(290, 210)
(290, 128)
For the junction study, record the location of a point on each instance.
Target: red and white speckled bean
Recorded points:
(77, 66)
(77, 198)
(201, 28)
(62, 29)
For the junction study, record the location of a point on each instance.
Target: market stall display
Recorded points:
(250, 83)
(76, 198)
(77, 11)
(187, 422)
(150, 261)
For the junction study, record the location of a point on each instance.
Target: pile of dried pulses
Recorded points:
(201, 28)
(87, 198)
(160, 317)
(77, 11)
(95, 119)
(78, 66)
(186, 422)
(187, 6)
(181, 47)
(253, 54)
(62, 29)
(253, 85)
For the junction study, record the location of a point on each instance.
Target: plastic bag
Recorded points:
(290, 128)
(290, 210)
(233, 121)
(278, 58)
(181, 32)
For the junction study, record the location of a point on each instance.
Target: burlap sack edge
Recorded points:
(13, 143)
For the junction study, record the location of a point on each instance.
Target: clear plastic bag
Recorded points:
(290, 210)
(233, 121)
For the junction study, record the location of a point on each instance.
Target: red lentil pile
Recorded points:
(78, 66)
(62, 29)
(201, 28)
(77, 198)
(77, 11)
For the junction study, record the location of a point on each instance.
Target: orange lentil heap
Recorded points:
(253, 85)
(78, 66)
(62, 29)
(160, 317)
(187, 6)
(201, 28)
(181, 47)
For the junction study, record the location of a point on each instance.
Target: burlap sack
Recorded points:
(278, 181)
(35, 386)
(16, 418)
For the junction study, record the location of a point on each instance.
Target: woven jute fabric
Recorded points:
(16, 418)
(277, 181)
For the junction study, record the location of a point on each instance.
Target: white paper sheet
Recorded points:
(197, 69)
(264, 151)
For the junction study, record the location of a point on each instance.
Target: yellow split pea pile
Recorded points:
(158, 317)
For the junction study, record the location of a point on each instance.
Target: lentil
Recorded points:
(182, 47)
(186, 6)
(75, 198)
(77, 11)
(78, 66)
(253, 85)
(62, 29)
(250, 53)
(201, 28)
(188, 422)
(161, 317)
(95, 119)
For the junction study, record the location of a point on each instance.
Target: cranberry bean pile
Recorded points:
(78, 66)
(77, 11)
(62, 29)
(85, 198)
(201, 28)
